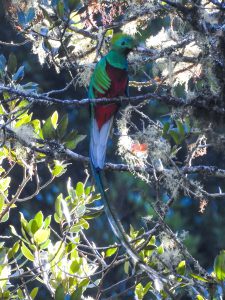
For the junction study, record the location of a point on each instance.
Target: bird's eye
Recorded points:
(123, 43)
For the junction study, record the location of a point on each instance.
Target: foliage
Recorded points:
(180, 64)
(57, 260)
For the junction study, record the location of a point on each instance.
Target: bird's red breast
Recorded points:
(119, 81)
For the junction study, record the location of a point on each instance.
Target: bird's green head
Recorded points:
(122, 43)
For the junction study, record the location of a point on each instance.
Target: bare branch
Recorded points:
(13, 44)
(206, 102)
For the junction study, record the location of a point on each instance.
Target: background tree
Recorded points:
(168, 170)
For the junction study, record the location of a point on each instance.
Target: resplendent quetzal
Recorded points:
(110, 79)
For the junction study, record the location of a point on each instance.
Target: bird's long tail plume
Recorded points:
(118, 230)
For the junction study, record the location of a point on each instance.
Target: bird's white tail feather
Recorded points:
(98, 142)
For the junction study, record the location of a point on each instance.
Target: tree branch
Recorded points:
(12, 44)
(201, 101)
(68, 154)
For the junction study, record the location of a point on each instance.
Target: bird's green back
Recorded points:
(116, 57)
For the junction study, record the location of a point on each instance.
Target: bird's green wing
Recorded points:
(100, 80)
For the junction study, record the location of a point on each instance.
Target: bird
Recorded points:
(109, 79)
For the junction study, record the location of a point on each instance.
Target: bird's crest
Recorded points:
(118, 36)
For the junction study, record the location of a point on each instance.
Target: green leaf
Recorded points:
(175, 136)
(70, 189)
(139, 291)
(12, 63)
(2, 202)
(54, 119)
(26, 252)
(109, 252)
(48, 130)
(72, 139)
(45, 244)
(14, 250)
(147, 287)
(93, 198)
(24, 222)
(19, 74)
(6, 295)
(75, 18)
(93, 214)
(219, 266)
(59, 169)
(80, 189)
(47, 221)
(20, 294)
(180, 127)
(59, 293)
(84, 282)
(60, 9)
(199, 277)
(39, 219)
(41, 236)
(160, 249)
(2, 109)
(56, 218)
(33, 226)
(36, 125)
(2, 156)
(80, 210)
(30, 87)
(88, 190)
(24, 233)
(188, 124)
(75, 266)
(4, 183)
(71, 135)
(24, 120)
(73, 144)
(84, 224)
(58, 207)
(77, 294)
(22, 104)
(5, 218)
(79, 226)
(166, 128)
(6, 95)
(126, 267)
(199, 297)
(62, 127)
(181, 267)
(13, 230)
(34, 292)
(152, 240)
(109, 33)
(75, 228)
